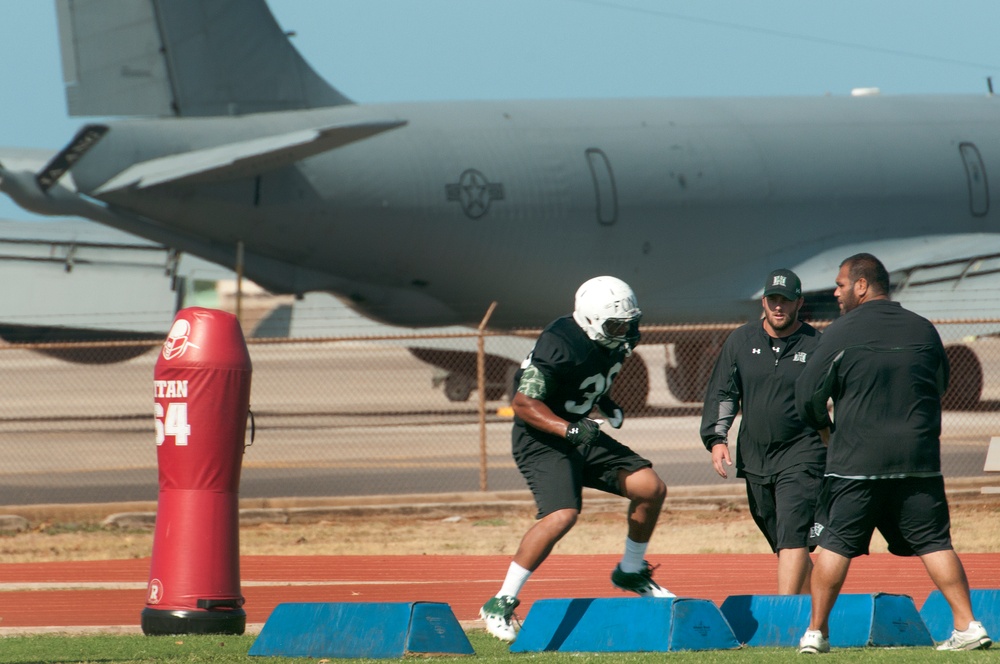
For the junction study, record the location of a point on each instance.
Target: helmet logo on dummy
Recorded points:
(155, 592)
(474, 193)
(178, 339)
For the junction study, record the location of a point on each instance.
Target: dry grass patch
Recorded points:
(468, 530)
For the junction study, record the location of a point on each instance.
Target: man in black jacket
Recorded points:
(781, 459)
(885, 369)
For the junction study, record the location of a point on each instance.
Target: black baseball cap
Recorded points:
(785, 283)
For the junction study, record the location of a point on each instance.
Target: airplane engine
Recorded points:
(70, 345)
(689, 365)
(965, 388)
(631, 389)
(457, 376)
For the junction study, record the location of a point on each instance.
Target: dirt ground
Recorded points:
(412, 527)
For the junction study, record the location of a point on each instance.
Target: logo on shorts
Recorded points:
(816, 529)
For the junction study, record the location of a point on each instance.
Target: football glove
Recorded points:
(583, 432)
(612, 411)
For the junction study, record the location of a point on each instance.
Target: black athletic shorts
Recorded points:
(557, 471)
(910, 512)
(784, 505)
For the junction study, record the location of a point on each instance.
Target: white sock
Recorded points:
(517, 576)
(634, 554)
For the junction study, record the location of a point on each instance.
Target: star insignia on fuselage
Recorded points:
(474, 193)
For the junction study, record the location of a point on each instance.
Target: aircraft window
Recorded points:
(604, 186)
(979, 194)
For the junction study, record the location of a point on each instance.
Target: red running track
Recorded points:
(111, 593)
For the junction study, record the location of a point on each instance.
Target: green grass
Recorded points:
(138, 649)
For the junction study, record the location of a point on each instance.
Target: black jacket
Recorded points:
(751, 377)
(885, 369)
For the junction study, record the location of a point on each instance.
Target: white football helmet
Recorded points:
(607, 311)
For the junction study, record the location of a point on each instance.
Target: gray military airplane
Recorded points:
(422, 214)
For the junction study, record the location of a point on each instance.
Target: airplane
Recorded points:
(219, 140)
(77, 281)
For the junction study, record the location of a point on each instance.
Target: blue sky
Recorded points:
(421, 50)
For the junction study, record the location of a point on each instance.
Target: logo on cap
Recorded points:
(783, 282)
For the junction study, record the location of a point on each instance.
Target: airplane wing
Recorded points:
(244, 158)
(80, 280)
(938, 276)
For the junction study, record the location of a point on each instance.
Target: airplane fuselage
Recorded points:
(520, 201)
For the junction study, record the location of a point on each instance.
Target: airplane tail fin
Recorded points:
(182, 58)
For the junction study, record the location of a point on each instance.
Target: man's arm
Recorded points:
(722, 398)
(528, 405)
(943, 375)
(816, 384)
(720, 458)
(537, 415)
(722, 403)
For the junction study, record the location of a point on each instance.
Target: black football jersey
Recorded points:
(577, 370)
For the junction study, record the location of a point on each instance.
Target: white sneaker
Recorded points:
(498, 612)
(813, 642)
(973, 638)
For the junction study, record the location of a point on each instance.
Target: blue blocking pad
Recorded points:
(857, 620)
(639, 624)
(375, 630)
(985, 607)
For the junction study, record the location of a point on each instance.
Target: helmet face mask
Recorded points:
(606, 309)
(621, 328)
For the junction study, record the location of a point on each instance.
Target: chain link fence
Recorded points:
(369, 415)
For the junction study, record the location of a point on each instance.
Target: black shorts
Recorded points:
(557, 471)
(784, 505)
(910, 512)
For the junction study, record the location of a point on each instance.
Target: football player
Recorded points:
(560, 450)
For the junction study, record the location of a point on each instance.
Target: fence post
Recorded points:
(239, 282)
(481, 382)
